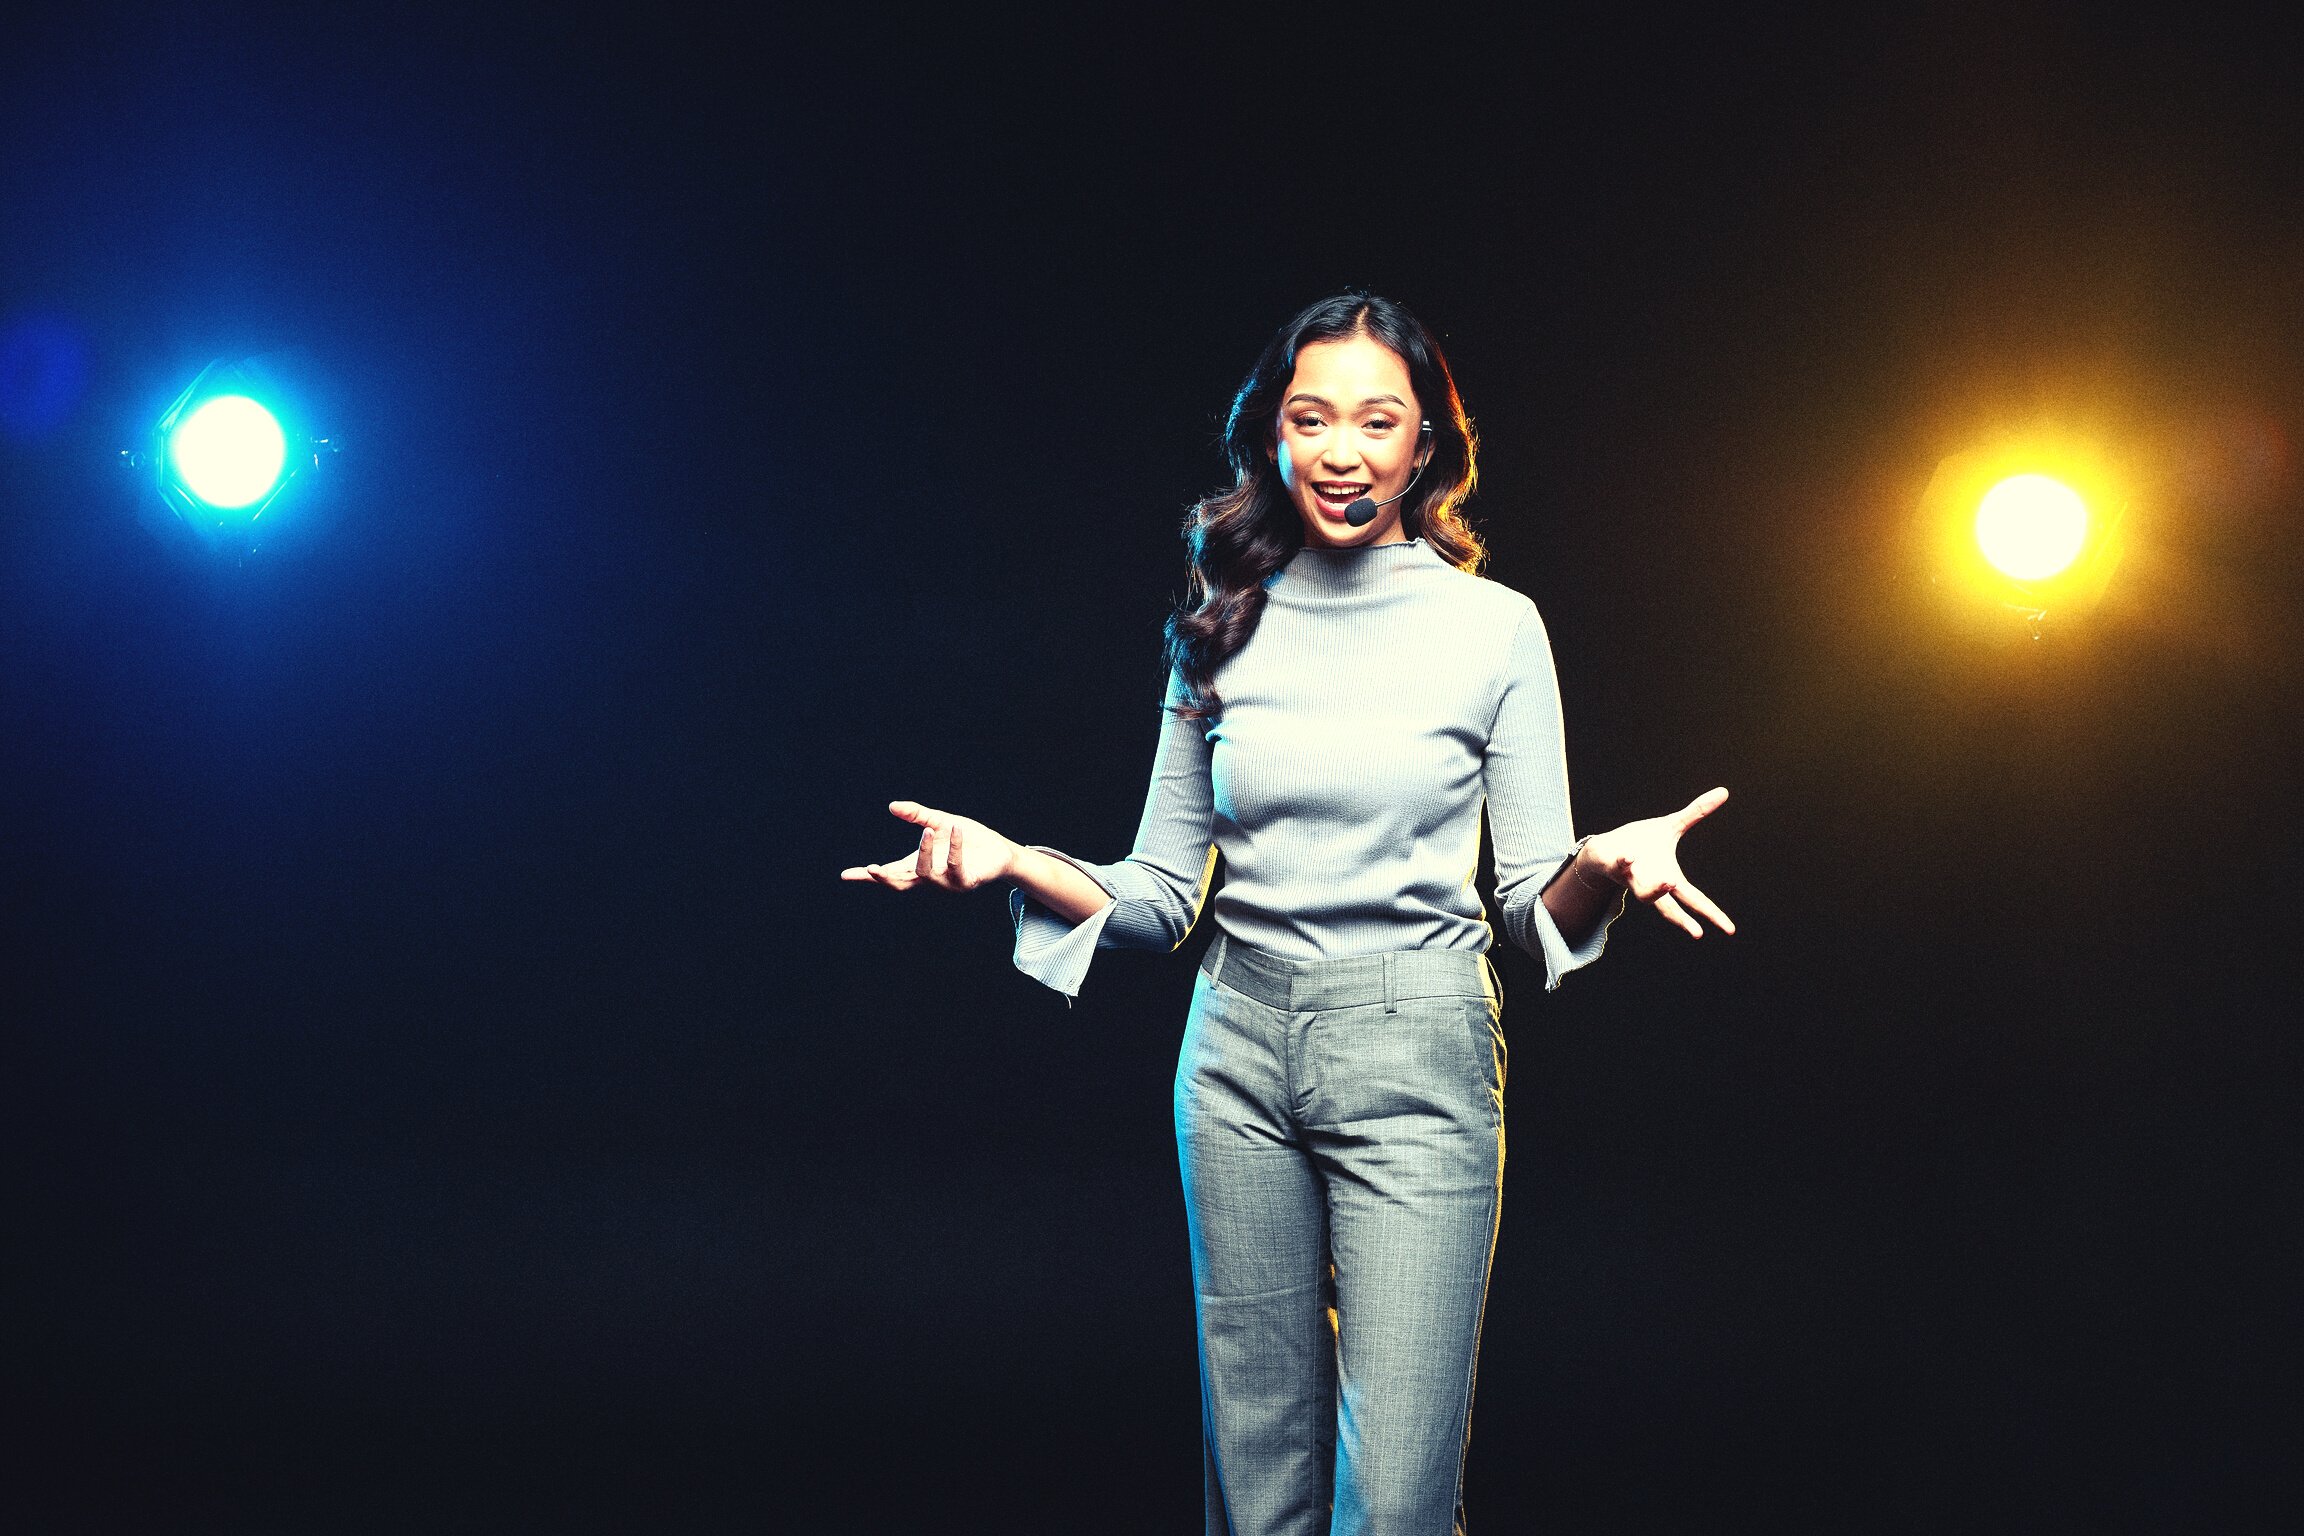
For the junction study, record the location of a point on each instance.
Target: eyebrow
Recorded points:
(1371, 400)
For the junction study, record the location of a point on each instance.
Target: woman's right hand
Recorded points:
(955, 852)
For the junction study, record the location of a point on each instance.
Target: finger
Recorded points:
(935, 853)
(916, 813)
(1705, 905)
(1674, 914)
(896, 874)
(1700, 807)
(1661, 879)
(954, 870)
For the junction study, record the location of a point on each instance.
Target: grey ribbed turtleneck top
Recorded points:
(1384, 696)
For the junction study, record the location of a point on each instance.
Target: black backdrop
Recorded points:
(450, 1090)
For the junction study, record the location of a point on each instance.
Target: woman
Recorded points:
(1344, 695)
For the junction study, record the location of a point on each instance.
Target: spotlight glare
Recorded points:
(2031, 526)
(229, 452)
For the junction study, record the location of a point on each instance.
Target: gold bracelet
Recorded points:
(1606, 885)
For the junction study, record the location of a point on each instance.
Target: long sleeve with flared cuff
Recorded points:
(1156, 891)
(1524, 776)
(1384, 699)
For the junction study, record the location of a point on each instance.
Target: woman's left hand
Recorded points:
(1644, 858)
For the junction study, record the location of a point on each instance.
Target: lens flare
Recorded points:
(2031, 527)
(229, 452)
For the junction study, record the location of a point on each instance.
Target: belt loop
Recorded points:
(1217, 969)
(1391, 983)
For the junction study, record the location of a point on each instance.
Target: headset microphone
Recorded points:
(1363, 512)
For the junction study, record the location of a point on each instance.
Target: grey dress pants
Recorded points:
(1340, 1124)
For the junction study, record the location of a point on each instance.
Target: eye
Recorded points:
(1381, 424)
(1306, 423)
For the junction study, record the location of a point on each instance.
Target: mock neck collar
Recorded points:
(1317, 571)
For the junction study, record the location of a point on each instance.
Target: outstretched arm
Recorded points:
(1065, 910)
(960, 854)
(1556, 896)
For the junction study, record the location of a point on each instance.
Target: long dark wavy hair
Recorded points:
(1239, 537)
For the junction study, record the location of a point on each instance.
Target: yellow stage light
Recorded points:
(2031, 526)
(2024, 529)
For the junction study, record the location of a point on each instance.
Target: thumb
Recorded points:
(1702, 806)
(914, 812)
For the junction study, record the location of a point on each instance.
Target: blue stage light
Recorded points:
(232, 448)
(229, 452)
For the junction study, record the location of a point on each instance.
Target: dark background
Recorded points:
(448, 1088)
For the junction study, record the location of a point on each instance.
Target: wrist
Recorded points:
(1592, 873)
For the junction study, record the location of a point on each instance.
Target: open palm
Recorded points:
(1644, 858)
(955, 852)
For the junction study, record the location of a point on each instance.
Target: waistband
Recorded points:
(1304, 986)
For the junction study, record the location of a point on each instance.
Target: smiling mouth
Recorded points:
(1339, 495)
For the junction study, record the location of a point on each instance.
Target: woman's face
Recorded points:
(1347, 429)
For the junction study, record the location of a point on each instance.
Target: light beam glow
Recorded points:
(2031, 526)
(229, 452)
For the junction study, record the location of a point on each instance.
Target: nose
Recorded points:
(1339, 455)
